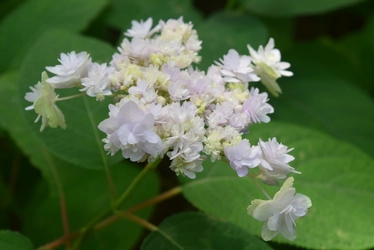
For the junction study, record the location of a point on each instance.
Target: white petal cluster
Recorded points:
(268, 66)
(271, 157)
(97, 83)
(257, 108)
(164, 107)
(280, 213)
(236, 68)
(141, 29)
(73, 67)
(242, 156)
(218, 138)
(129, 129)
(43, 97)
(195, 113)
(173, 42)
(274, 161)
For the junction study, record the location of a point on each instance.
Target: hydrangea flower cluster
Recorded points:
(164, 107)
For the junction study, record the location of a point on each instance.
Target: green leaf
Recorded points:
(283, 8)
(15, 123)
(84, 200)
(335, 175)
(157, 9)
(224, 31)
(14, 241)
(80, 143)
(86, 191)
(4, 203)
(197, 231)
(360, 56)
(353, 62)
(24, 25)
(321, 95)
(7, 6)
(282, 30)
(8, 99)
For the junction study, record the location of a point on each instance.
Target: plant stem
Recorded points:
(149, 167)
(93, 123)
(137, 220)
(59, 241)
(61, 194)
(159, 198)
(70, 97)
(259, 186)
(118, 203)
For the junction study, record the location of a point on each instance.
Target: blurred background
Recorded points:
(329, 43)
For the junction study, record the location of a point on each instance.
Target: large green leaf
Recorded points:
(4, 219)
(24, 25)
(6, 6)
(335, 175)
(15, 123)
(192, 231)
(321, 95)
(80, 143)
(360, 56)
(223, 31)
(14, 241)
(84, 200)
(283, 8)
(86, 191)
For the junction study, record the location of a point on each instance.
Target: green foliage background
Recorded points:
(326, 113)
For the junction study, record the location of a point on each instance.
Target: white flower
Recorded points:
(73, 67)
(256, 107)
(218, 138)
(269, 67)
(144, 92)
(189, 169)
(221, 114)
(138, 50)
(187, 146)
(183, 131)
(178, 90)
(130, 129)
(176, 29)
(97, 84)
(274, 161)
(236, 68)
(141, 29)
(44, 98)
(242, 156)
(280, 213)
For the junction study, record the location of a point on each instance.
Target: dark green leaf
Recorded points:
(86, 191)
(4, 202)
(335, 175)
(15, 123)
(321, 96)
(193, 231)
(6, 6)
(80, 143)
(224, 31)
(295, 7)
(14, 241)
(84, 200)
(19, 30)
(282, 30)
